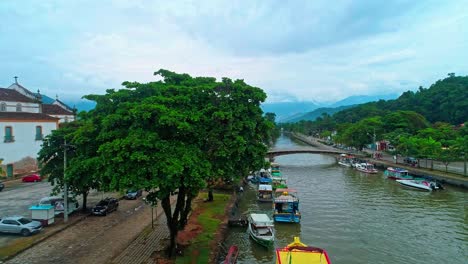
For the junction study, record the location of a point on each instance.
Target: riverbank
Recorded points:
(444, 177)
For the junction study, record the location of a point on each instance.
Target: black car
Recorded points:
(2, 186)
(105, 206)
(133, 194)
(410, 161)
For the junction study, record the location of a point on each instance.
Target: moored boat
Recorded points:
(260, 228)
(265, 193)
(366, 167)
(286, 206)
(397, 174)
(299, 253)
(278, 182)
(345, 160)
(421, 184)
(231, 257)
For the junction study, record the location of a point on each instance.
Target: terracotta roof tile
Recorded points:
(10, 95)
(54, 110)
(5, 116)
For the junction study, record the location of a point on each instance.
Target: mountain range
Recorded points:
(296, 111)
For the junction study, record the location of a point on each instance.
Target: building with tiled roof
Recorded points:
(24, 122)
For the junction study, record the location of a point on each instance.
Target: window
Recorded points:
(39, 135)
(9, 134)
(3, 107)
(18, 108)
(66, 119)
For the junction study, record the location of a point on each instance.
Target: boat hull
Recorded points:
(344, 164)
(415, 185)
(264, 241)
(287, 218)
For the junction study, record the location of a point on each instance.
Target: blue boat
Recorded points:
(286, 206)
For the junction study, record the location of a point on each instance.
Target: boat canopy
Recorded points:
(286, 190)
(264, 180)
(261, 220)
(399, 170)
(265, 187)
(286, 199)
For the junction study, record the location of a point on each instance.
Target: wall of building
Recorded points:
(64, 118)
(25, 107)
(25, 144)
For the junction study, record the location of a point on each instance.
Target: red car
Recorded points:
(32, 178)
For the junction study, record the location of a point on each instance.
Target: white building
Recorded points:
(24, 122)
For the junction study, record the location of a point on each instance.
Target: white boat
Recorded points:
(345, 160)
(265, 193)
(366, 167)
(421, 184)
(261, 229)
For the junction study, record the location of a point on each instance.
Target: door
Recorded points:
(9, 170)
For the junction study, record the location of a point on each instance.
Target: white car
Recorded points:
(19, 225)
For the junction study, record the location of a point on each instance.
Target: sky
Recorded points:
(307, 50)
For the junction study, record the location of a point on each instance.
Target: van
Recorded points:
(58, 203)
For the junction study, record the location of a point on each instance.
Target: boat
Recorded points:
(265, 193)
(278, 182)
(424, 185)
(275, 167)
(299, 253)
(231, 257)
(398, 174)
(286, 206)
(366, 167)
(260, 228)
(345, 160)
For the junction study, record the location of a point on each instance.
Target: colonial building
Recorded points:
(24, 122)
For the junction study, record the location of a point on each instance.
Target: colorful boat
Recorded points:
(345, 160)
(421, 184)
(286, 206)
(397, 174)
(278, 182)
(260, 228)
(299, 253)
(265, 193)
(231, 257)
(366, 167)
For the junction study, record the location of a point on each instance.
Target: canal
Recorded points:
(360, 218)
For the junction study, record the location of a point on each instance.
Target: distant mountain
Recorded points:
(286, 109)
(81, 104)
(311, 116)
(361, 99)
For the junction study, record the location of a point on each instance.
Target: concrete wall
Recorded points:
(25, 144)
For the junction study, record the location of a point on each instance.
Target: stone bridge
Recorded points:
(272, 153)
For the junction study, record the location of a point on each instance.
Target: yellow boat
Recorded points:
(299, 253)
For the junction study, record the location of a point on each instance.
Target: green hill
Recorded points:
(445, 101)
(311, 116)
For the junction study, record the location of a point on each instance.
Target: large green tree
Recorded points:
(175, 135)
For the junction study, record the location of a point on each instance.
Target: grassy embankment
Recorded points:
(208, 217)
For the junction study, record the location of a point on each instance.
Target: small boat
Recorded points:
(366, 167)
(421, 184)
(345, 160)
(299, 253)
(265, 193)
(397, 174)
(231, 257)
(278, 182)
(286, 206)
(260, 228)
(275, 167)
(264, 180)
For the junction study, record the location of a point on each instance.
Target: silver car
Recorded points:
(19, 225)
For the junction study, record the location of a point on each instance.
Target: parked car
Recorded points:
(133, 194)
(19, 225)
(32, 178)
(411, 161)
(59, 204)
(2, 186)
(105, 206)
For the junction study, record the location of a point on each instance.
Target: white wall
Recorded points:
(25, 107)
(62, 118)
(25, 144)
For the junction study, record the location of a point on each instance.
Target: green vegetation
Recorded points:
(18, 245)
(170, 137)
(427, 124)
(211, 215)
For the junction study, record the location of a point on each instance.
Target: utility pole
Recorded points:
(65, 186)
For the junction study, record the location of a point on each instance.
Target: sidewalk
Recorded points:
(148, 242)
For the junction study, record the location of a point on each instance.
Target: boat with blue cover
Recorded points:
(286, 206)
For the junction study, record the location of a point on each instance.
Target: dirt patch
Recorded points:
(193, 228)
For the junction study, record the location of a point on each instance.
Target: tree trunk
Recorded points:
(166, 205)
(185, 212)
(85, 200)
(210, 195)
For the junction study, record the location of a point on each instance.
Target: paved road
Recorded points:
(17, 197)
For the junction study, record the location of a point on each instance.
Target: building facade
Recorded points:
(24, 122)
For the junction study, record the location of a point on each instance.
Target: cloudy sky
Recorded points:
(299, 50)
